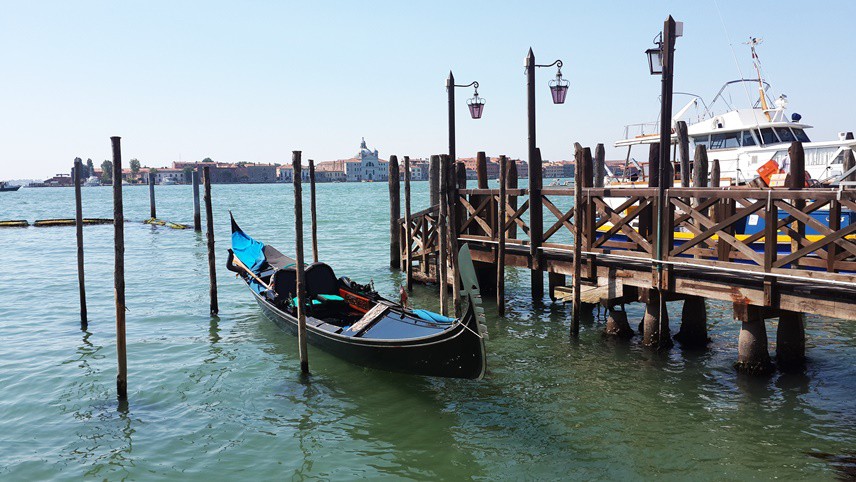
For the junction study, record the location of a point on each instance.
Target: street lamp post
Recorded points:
(475, 105)
(558, 91)
(664, 58)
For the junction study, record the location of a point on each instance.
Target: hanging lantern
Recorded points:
(655, 56)
(476, 104)
(559, 87)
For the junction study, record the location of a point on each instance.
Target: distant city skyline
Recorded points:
(254, 81)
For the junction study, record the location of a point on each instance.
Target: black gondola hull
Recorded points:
(457, 352)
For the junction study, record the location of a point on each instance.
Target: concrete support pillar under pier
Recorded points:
(752, 355)
(790, 341)
(656, 316)
(617, 325)
(693, 333)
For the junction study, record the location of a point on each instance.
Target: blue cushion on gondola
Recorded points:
(433, 317)
(312, 302)
(330, 298)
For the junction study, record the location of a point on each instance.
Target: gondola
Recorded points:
(353, 322)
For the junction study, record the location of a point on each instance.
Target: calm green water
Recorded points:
(220, 398)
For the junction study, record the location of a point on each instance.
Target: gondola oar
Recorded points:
(237, 261)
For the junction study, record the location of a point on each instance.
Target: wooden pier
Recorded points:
(623, 257)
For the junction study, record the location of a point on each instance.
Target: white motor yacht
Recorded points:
(744, 139)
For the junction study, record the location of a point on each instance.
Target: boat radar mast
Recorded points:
(752, 43)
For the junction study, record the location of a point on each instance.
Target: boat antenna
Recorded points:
(754, 41)
(737, 63)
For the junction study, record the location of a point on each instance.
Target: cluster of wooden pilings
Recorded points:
(118, 222)
(623, 248)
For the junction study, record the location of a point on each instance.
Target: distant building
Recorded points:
(366, 166)
(558, 169)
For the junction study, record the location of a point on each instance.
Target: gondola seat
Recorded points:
(322, 287)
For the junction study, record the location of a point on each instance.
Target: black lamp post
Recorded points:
(475, 104)
(558, 90)
(661, 61)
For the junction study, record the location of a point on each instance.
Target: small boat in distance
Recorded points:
(6, 187)
(168, 182)
(92, 181)
(353, 322)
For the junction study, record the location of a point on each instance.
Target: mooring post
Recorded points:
(78, 223)
(511, 181)
(197, 217)
(300, 284)
(849, 163)
(796, 182)
(443, 240)
(481, 183)
(394, 213)
(647, 217)
(434, 196)
(408, 233)
(684, 151)
(312, 211)
(700, 167)
(579, 180)
(434, 179)
(454, 231)
(500, 226)
(752, 355)
(153, 211)
(119, 271)
(599, 165)
(460, 183)
(617, 325)
(536, 225)
(209, 235)
(790, 341)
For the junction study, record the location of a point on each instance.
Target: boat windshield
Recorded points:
(785, 134)
(801, 135)
(748, 140)
(767, 136)
(727, 140)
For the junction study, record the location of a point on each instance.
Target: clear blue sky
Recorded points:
(254, 80)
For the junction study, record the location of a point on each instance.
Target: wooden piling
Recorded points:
(152, 210)
(209, 235)
(684, 151)
(536, 225)
(394, 213)
(599, 165)
(500, 250)
(646, 218)
(312, 212)
(849, 163)
(715, 174)
(579, 180)
(443, 240)
(454, 230)
(511, 183)
(434, 179)
(796, 182)
(78, 222)
(460, 183)
(197, 217)
(481, 170)
(408, 234)
(300, 274)
(700, 167)
(119, 272)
